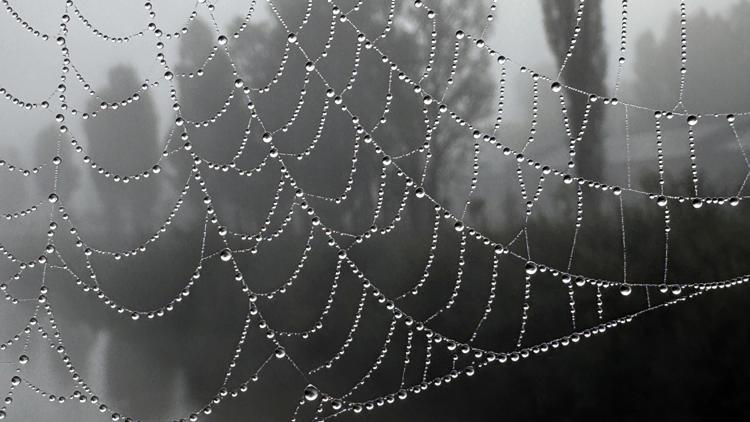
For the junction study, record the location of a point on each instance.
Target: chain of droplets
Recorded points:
(88, 395)
(349, 337)
(683, 51)
(262, 233)
(113, 415)
(53, 199)
(693, 157)
(297, 270)
(730, 120)
(625, 289)
(482, 42)
(500, 100)
(22, 22)
(407, 355)
(659, 152)
(691, 119)
(534, 114)
(100, 34)
(568, 179)
(23, 171)
(458, 282)
(236, 34)
(567, 279)
(474, 177)
(212, 119)
(573, 38)
(628, 166)
(215, 48)
(574, 140)
(134, 314)
(526, 306)
(490, 298)
(318, 323)
(379, 359)
(489, 357)
(393, 223)
(623, 44)
(414, 291)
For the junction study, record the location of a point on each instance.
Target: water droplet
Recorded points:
(661, 201)
(292, 38)
(692, 120)
(530, 268)
(226, 255)
(459, 226)
(556, 87)
(267, 137)
(311, 393)
(625, 290)
(52, 198)
(697, 203)
(222, 40)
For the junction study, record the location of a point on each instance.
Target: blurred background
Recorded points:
(680, 363)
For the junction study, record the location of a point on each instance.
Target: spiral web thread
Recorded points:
(466, 356)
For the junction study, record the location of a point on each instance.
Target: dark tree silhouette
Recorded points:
(585, 69)
(469, 92)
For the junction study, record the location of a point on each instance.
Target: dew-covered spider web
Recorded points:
(322, 207)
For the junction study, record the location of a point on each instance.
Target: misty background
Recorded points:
(684, 362)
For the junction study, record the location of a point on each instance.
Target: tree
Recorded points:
(468, 92)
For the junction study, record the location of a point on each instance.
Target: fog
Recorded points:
(316, 177)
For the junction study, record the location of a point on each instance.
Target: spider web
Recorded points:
(430, 354)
